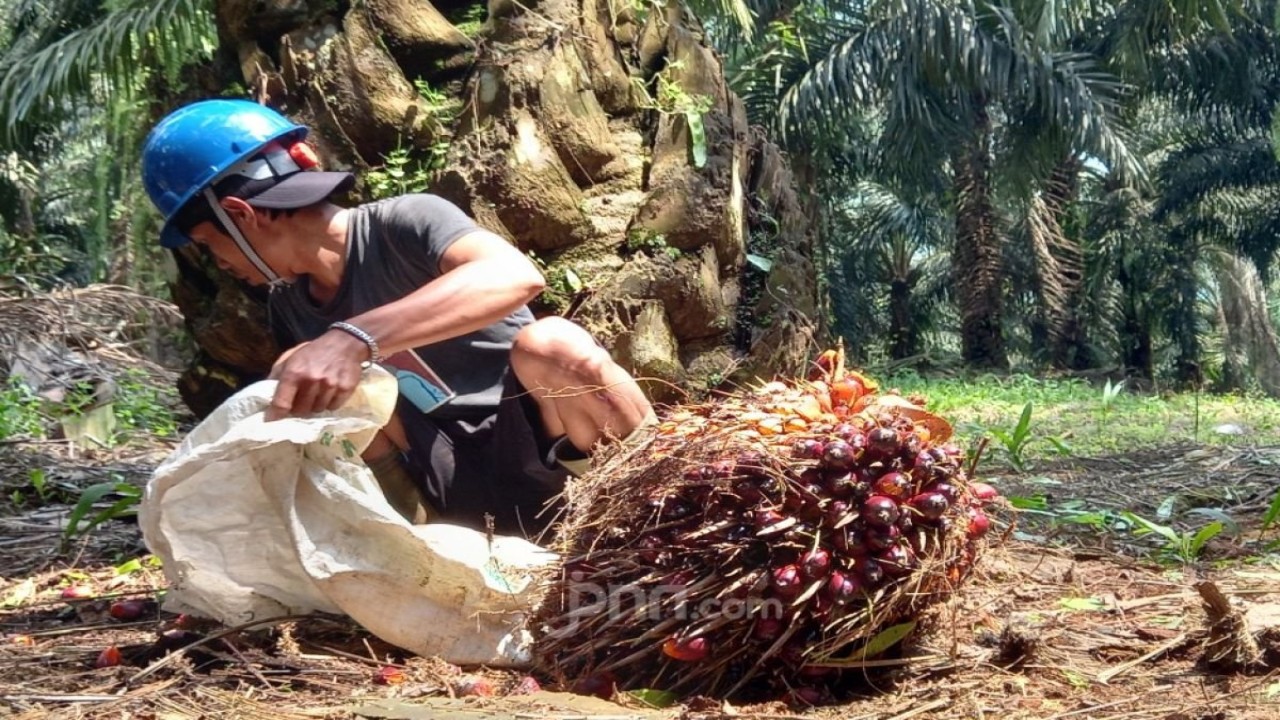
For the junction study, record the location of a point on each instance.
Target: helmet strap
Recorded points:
(230, 227)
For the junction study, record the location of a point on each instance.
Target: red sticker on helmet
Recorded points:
(304, 155)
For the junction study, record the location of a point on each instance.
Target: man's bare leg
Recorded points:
(581, 392)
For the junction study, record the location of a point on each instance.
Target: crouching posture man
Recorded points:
(495, 408)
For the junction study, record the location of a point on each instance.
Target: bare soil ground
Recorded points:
(1069, 619)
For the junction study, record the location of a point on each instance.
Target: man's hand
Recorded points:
(318, 375)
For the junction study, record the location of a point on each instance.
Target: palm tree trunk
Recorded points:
(904, 341)
(978, 260)
(1184, 323)
(1134, 331)
(1060, 269)
(547, 127)
(1253, 349)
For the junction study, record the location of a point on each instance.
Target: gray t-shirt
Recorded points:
(394, 247)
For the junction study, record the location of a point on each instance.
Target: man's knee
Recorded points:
(557, 346)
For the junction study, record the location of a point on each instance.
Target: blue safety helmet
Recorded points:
(201, 143)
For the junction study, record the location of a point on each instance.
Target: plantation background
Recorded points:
(1058, 221)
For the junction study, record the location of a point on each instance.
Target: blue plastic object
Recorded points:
(192, 146)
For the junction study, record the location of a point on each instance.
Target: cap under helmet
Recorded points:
(245, 149)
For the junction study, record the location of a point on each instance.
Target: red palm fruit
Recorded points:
(838, 455)
(841, 483)
(906, 522)
(771, 485)
(128, 609)
(880, 511)
(883, 442)
(719, 470)
(870, 570)
(824, 365)
(749, 492)
(846, 391)
(881, 538)
(787, 580)
(767, 628)
(946, 490)
(77, 592)
(837, 512)
(911, 444)
(691, 649)
(473, 686)
(842, 588)
(983, 492)
(176, 638)
(750, 462)
(813, 491)
(527, 686)
(849, 541)
(695, 475)
(931, 505)
(807, 449)
(109, 657)
(922, 465)
(652, 548)
(896, 560)
(389, 675)
(766, 517)
(601, 685)
(847, 432)
(815, 563)
(979, 523)
(894, 485)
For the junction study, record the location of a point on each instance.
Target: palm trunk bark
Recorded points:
(1184, 323)
(1135, 331)
(1252, 348)
(1060, 269)
(544, 123)
(904, 340)
(978, 259)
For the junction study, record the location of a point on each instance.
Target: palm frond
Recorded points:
(112, 54)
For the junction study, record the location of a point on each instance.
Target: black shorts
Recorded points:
(500, 464)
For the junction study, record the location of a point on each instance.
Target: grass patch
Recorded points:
(1074, 417)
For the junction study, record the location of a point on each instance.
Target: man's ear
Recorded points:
(239, 210)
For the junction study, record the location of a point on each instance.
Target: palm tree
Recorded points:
(952, 80)
(598, 138)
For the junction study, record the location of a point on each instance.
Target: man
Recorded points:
(496, 408)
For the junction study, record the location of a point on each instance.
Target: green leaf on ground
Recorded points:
(655, 698)
(1089, 604)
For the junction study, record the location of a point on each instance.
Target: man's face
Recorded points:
(256, 229)
(226, 253)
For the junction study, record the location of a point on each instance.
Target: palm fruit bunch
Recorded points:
(749, 547)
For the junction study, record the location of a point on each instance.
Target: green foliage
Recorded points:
(403, 171)
(1067, 409)
(1015, 439)
(469, 19)
(114, 52)
(1183, 547)
(21, 412)
(648, 242)
(123, 498)
(142, 406)
(139, 405)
